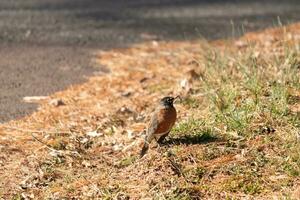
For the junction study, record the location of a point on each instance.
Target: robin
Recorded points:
(161, 122)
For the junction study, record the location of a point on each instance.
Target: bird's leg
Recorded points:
(160, 143)
(162, 138)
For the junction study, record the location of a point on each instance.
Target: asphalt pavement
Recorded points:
(47, 45)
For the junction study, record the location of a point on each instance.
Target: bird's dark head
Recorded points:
(168, 101)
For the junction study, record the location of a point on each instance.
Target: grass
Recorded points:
(191, 102)
(127, 161)
(251, 101)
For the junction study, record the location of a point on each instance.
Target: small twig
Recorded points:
(178, 169)
(207, 175)
(61, 152)
(128, 146)
(33, 131)
(45, 144)
(153, 188)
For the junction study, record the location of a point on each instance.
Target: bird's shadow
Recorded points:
(202, 138)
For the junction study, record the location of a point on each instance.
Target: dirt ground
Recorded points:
(87, 147)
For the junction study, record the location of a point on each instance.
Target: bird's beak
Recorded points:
(177, 97)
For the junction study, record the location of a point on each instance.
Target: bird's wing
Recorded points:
(153, 125)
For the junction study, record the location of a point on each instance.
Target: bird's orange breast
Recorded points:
(166, 119)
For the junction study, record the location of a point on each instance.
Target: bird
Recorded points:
(161, 122)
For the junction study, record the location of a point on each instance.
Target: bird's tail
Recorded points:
(147, 141)
(144, 149)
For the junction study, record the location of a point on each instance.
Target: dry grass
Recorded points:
(236, 136)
